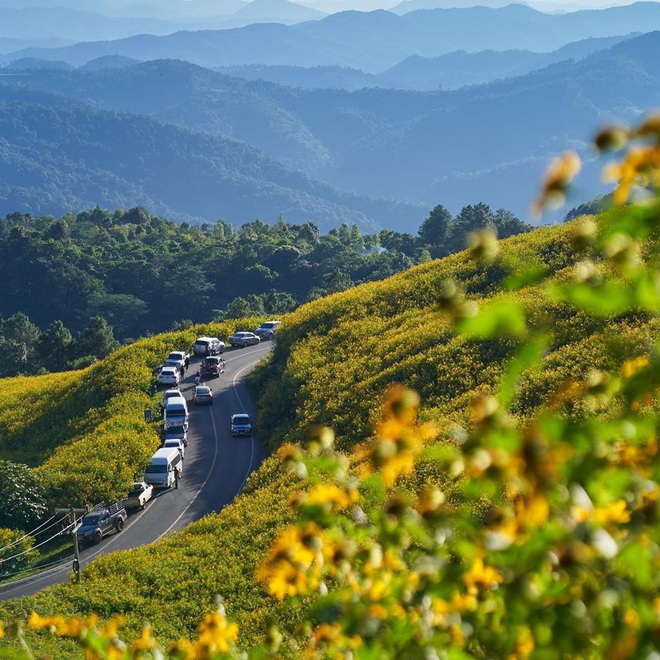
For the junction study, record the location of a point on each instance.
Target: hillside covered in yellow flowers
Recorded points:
(333, 361)
(490, 486)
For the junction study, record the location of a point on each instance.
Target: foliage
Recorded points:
(22, 496)
(16, 551)
(101, 276)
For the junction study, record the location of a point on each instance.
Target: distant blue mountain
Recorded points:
(488, 143)
(373, 41)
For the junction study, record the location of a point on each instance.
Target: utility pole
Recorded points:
(73, 528)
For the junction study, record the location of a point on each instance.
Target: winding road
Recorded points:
(215, 470)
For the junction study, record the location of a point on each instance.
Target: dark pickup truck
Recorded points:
(100, 521)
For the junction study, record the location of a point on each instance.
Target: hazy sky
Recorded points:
(543, 5)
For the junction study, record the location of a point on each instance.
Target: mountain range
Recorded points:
(58, 156)
(371, 42)
(488, 143)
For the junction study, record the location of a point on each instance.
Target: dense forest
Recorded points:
(77, 285)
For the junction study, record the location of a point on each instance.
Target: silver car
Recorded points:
(243, 339)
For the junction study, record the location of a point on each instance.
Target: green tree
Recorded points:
(22, 497)
(435, 231)
(55, 346)
(96, 339)
(24, 335)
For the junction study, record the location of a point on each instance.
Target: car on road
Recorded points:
(170, 394)
(177, 359)
(169, 376)
(243, 339)
(213, 366)
(203, 394)
(100, 521)
(178, 431)
(139, 495)
(176, 443)
(267, 330)
(241, 424)
(208, 346)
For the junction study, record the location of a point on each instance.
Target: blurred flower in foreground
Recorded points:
(558, 178)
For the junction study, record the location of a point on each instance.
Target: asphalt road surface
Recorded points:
(215, 469)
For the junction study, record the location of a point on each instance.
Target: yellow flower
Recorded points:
(534, 512)
(558, 177)
(613, 513)
(145, 642)
(630, 367)
(2, 630)
(398, 438)
(480, 574)
(183, 649)
(330, 495)
(216, 635)
(524, 644)
(631, 618)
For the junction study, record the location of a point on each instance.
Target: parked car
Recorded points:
(178, 431)
(267, 330)
(213, 366)
(203, 394)
(139, 495)
(169, 376)
(208, 346)
(241, 424)
(244, 339)
(170, 394)
(176, 443)
(177, 359)
(100, 521)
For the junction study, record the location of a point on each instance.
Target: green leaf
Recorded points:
(501, 318)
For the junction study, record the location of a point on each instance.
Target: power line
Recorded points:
(25, 552)
(32, 533)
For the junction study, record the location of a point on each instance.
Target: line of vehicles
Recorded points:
(165, 467)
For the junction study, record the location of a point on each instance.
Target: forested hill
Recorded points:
(70, 277)
(57, 156)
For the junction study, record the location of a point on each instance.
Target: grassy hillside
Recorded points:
(84, 431)
(333, 360)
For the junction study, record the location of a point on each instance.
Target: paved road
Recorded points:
(216, 467)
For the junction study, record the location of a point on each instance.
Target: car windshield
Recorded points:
(202, 344)
(156, 469)
(241, 419)
(175, 432)
(90, 520)
(174, 356)
(134, 492)
(167, 371)
(269, 326)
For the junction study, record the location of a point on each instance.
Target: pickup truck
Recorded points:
(100, 521)
(139, 495)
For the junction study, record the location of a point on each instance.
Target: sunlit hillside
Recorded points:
(333, 361)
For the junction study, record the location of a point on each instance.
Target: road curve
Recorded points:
(215, 470)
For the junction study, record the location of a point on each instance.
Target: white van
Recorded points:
(161, 469)
(176, 412)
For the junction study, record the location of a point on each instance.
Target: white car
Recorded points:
(208, 346)
(169, 376)
(176, 359)
(244, 339)
(171, 394)
(175, 442)
(139, 495)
